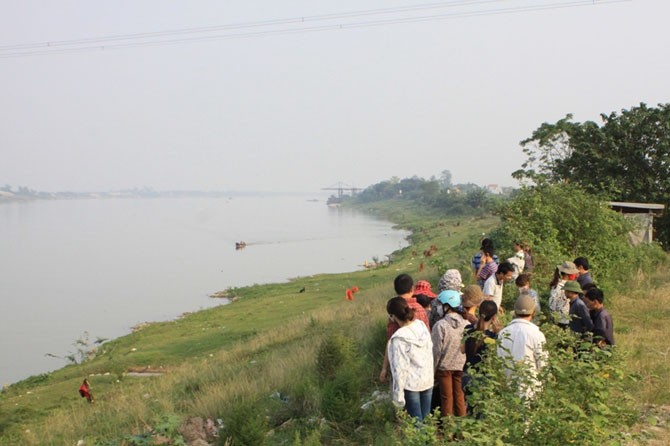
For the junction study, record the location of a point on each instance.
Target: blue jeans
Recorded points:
(417, 404)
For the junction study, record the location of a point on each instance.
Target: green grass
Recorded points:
(269, 334)
(236, 356)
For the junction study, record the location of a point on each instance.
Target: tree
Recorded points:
(445, 179)
(627, 158)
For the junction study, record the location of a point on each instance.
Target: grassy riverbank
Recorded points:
(253, 363)
(217, 356)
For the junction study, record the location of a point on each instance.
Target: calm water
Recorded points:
(102, 266)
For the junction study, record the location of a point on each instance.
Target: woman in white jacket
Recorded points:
(410, 352)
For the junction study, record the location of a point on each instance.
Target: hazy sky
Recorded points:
(302, 110)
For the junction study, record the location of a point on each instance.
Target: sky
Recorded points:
(408, 88)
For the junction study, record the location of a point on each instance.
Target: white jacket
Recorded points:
(521, 341)
(410, 353)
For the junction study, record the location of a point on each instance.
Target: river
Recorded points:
(101, 266)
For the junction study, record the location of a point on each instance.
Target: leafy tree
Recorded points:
(445, 179)
(477, 198)
(627, 158)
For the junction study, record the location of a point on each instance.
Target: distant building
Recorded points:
(494, 189)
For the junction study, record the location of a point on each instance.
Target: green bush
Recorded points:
(339, 366)
(562, 222)
(581, 401)
(246, 425)
(335, 351)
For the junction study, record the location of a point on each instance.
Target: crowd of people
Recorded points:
(436, 340)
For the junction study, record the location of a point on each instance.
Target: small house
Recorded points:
(643, 215)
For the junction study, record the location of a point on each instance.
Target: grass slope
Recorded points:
(221, 361)
(254, 345)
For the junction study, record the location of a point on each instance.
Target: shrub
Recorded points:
(581, 401)
(563, 222)
(246, 425)
(342, 379)
(335, 351)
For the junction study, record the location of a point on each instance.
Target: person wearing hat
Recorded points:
(423, 288)
(447, 355)
(580, 319)
(559, 305)
(451, 280)
(522, 342)
(470, 299)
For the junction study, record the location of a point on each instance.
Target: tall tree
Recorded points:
(626, 158)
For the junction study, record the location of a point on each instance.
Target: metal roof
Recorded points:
(637, 207)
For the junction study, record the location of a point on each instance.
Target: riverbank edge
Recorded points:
(148, 347)
(58, 359)
(247, 306)
(111, 358)
(391, 212)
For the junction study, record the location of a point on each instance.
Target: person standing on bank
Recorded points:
(522, 344)
(583, 274)
(493, 287)
(580, 318)
(603, 327)
(559, 305)
(448, 358)
(410, 354)
(404, 287)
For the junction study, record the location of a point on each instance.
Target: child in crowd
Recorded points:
(447, 355)
(410, 359)
(523, 284)
(603, 327)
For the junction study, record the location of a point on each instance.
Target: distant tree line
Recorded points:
(437, 193)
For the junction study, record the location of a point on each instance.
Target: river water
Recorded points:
(102, 266)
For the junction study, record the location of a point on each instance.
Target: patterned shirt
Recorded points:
(419, 314)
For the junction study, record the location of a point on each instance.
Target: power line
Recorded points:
(236, 26)
(138, 40)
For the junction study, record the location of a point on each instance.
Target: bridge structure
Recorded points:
(341, 188)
